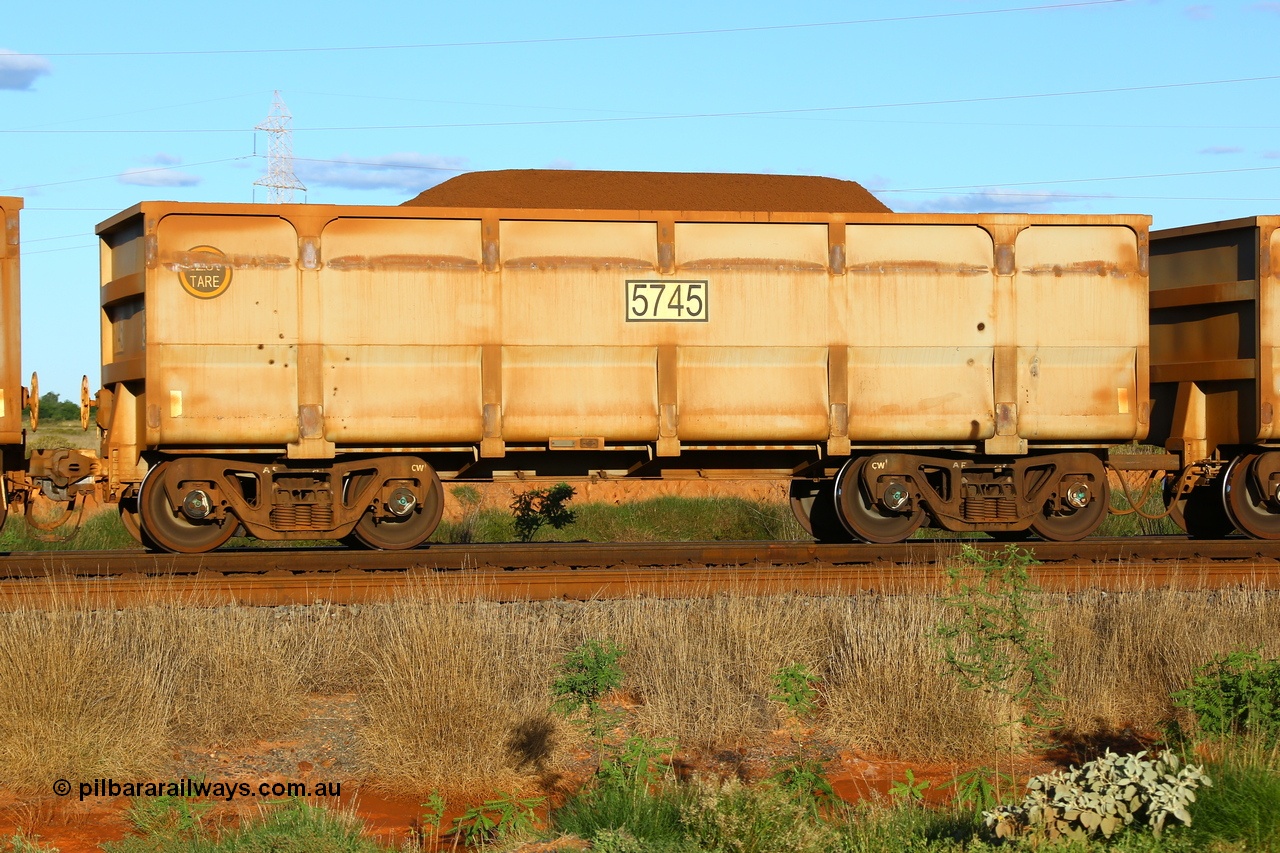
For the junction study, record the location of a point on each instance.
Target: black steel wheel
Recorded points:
(814, 505)
(1057, 523)
(128, 509)
(861, 514)
(409, 531)
(1202, 511)
(1245, 503)
(168, 527)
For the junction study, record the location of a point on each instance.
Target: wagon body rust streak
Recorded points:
(298, 369)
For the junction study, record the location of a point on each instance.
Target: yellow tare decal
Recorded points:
(1122, 400)
(175, 404)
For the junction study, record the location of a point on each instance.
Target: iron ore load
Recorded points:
(316, 372)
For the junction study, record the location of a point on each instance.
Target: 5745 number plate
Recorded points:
(679, 301)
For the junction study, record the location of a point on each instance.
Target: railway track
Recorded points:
(275, 576)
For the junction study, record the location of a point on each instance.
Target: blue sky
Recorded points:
(1111, 106)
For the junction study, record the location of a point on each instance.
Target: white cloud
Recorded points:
(1271, 155)
(560, 164)
(1221, 149)
(18, 71)
(1199, 12)
(1267, 6)
(160, 173)
(407, 172)
(987, 201)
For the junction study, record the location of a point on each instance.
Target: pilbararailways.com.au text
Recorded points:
(196, 789)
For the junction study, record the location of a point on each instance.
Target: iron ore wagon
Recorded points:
(307, 371)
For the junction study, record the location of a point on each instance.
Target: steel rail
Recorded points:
(583, 571)
(591, 554)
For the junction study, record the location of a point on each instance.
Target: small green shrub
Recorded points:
(586, 675)
(800, 775)
(612, 815)
(503, 817)
(794, 686)
(990, 640)
(979, 788)
(908, 790)
(1236, 693)
(538, 507)
(1102, 797)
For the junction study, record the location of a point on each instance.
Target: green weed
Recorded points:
(289, 827)
(990, 641)
(800, 775)
(908, 790)
(1235, 693)
(503, 817)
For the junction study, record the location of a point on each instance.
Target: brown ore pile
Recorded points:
(566, 189)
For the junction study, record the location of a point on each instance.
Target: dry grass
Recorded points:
(700, 670)
(83, 695)
(888, 691)
(1121, 655)
(456, 693)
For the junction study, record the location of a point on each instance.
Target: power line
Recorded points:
(685, 116)
(922, 122)
(135, 172)
(570, 39)
(1097, 180)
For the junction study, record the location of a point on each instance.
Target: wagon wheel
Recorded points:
(861, 515)
(1200, 511)
(1246, 502)
(814, 505)
(128, 509)
(398, 534)
(1058, 523)
(168, 527)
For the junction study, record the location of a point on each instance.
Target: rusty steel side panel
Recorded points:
(1082, 334)
(757, 370)
(560, 370)
(403, 313)
(923, 333)
(10, 324)
(223, 367)
(1213, 325)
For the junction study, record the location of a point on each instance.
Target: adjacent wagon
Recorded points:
(1215, 337)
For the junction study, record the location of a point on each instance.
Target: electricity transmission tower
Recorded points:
(280, 180)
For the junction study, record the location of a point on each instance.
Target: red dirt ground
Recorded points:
(76, 827)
